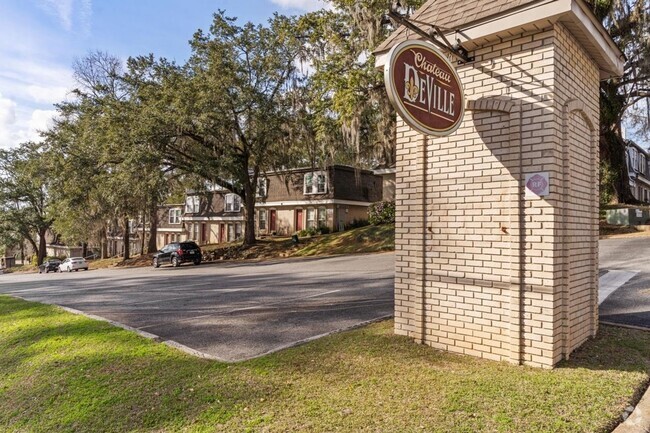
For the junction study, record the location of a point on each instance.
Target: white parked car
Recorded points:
(73, 264)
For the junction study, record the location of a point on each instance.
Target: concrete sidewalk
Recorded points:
(637, 419)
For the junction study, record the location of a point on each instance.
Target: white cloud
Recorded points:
(7, 112)
(19, 124)
(7, 121)
(47, 94)
(61, 9)
(29, 88)
(71, 14)
(41, 120)
(303, 5)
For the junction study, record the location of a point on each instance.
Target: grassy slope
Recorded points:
(369, 239)
(60, 372)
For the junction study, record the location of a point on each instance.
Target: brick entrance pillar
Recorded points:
(483, 267)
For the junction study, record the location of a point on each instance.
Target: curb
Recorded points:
(639, 420)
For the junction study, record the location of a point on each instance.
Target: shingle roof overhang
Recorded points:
(479, 22)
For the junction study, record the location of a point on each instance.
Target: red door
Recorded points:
(299, 220)
(272, 221)
(222, 233)
(204, 233)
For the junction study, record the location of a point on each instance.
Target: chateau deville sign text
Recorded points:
(424, 88)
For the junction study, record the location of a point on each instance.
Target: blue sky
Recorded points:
(39, 40)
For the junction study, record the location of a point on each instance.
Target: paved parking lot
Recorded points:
(229, 311)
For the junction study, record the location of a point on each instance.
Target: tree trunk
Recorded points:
(41, 246)
(143, 235)
(127, 240)
(249, 217)
(84, 249)
(612, 149)
(152, 246)
(32, 242)
(103, 243)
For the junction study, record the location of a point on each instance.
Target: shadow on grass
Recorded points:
(70, 373)
(63, 372)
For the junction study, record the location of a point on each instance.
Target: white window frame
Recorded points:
(321, 221)
(175, 215)
(311, 219)
(232, 203)
(192, 204)
(633, 158)
(642, 163)
(262, 187)
(311, 182)
(261, 219)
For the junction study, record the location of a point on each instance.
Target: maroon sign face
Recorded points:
(537, 184)
(424, 88)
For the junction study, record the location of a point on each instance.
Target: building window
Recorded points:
(192, 203)
(234, 232)
(311, 218)
(175, 216)
(633, 158)
(262, 219)
(322, 217)
(642, 163)
(262, 187)
(195, 232)
(315, 183)
(233, 203)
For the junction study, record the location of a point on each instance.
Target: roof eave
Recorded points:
(601, 47)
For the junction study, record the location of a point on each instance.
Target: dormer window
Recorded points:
(262, 187)
(642, 163)
(315, 183)
(633, 159)
(233, 203)
(192, 203)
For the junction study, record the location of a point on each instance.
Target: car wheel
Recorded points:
(46, 271)
(85, 269)
(69, 269)
(40, 272)
(197, 262)
(155, 263)
(175, 262)
(59, 270)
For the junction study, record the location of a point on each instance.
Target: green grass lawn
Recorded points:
(368, 239)
(63, 373)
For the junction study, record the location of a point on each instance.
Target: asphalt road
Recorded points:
(236, 311)
(630, 303)
(225, 310)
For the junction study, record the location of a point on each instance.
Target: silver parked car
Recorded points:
(73, 264)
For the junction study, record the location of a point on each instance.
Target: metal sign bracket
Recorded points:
(457, 50)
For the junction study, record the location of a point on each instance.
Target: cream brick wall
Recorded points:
(480, 269)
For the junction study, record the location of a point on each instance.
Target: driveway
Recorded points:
(227, 311)
(625, 264)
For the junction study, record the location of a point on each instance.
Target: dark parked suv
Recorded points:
(177, 253)
(51, 265)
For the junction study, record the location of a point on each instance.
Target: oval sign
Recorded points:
(424, 88)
